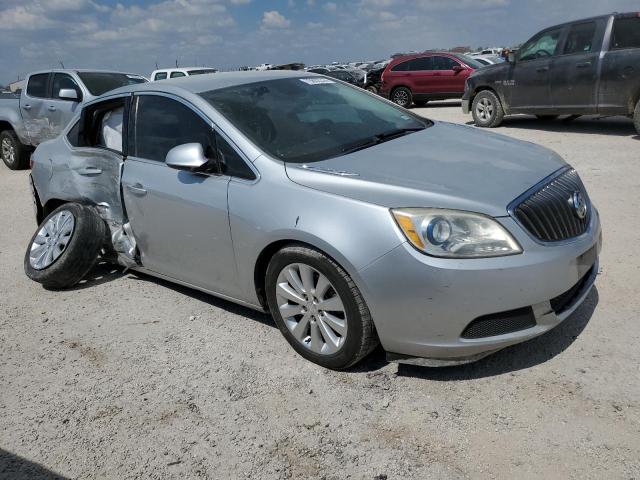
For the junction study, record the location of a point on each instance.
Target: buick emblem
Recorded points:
(579, 205)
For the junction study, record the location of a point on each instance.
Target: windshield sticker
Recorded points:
(316, 81)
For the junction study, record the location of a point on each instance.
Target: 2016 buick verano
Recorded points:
(351, 220)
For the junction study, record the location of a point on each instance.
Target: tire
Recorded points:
(487, 110)
(14, 154)
(402, 96)
(84, 235)
(372, 89)
(420, 103)
(547, 118)
(359, 337)
(636, 117)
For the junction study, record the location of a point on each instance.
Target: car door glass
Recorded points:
(580, 38)
(163, 123)
(232, 163)
(177, 74)
(626, 33)
(444, 63)
(421, 64)
(401, 67)
(37, 86)
(541, 46)
(160, 76)
(62, 80)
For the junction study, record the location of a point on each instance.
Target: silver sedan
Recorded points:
(352, 221)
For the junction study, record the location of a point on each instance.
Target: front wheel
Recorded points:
(636, 118)
(402, 96)
(14, 154)
(65, 246)
(318, 308)
(487, 110)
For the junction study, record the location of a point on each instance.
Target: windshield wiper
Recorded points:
(381, 138)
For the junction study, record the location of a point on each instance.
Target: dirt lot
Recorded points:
(130, 377)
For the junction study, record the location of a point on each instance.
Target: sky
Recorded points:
(134, 36)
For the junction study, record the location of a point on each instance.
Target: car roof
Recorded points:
(204, 83)
(82, 70)
(426, 53)
(182, 68)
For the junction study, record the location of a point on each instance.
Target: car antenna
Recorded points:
(61, 64)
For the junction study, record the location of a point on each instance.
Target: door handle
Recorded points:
(51, 108)
(583, 65)
(27, 107)
(90, 171)
(137, 189)
(542, 69)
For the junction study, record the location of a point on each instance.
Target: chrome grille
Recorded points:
(549, 213)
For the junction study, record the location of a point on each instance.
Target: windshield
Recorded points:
(311, 119)
(472, 62)
(101, 82)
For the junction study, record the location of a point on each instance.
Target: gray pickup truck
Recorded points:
(48, 102)
(586, 67)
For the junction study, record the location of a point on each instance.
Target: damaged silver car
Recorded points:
(351, 220)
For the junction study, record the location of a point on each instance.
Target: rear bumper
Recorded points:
(422, 305)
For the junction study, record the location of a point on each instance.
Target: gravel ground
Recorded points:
(131, 377)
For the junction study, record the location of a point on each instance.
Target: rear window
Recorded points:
(99, 83)
(37, 86)
(626, 33)
(202, 72)
(160, 76)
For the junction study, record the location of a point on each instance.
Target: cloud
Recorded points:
(330, 7)
(274, 19)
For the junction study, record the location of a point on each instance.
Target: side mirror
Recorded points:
(189, 157)
(457, 69)
(511, 58)
(68, 94)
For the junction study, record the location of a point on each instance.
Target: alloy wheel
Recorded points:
(8, 151)
(311, 308)
(485, 109)
(52, 240)
(401, 97)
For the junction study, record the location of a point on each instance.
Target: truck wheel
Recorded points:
(636, 118)
(318, 308)
(487, 110)
(402, 96)
(65, 246)
(14, 154)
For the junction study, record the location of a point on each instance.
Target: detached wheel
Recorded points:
(487, 110)
(402, 96)
(636, 118)
(14, 154)
(65, 246)
(318, 308)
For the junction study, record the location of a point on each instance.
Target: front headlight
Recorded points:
(454, 233)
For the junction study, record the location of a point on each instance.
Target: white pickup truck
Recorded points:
(48, 102)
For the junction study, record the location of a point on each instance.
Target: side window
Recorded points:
(177, 74)
(162, 123)
(37, 86)
(160, 76)
(62, 80)
(541, 46)
(74, 135)
(401, 67)
(233, 164)
(580, 38)
(626, 33)
(444, 63)
(421, 64)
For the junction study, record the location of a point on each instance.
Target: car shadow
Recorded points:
(517, 357)
(102, 272)
(441, 104)
(207, 298)
(613, 126)
(15, 467)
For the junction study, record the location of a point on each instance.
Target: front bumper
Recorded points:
(421, 305)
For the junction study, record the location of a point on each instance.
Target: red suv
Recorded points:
(426, 76)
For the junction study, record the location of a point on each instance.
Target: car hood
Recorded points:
(444, 166)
